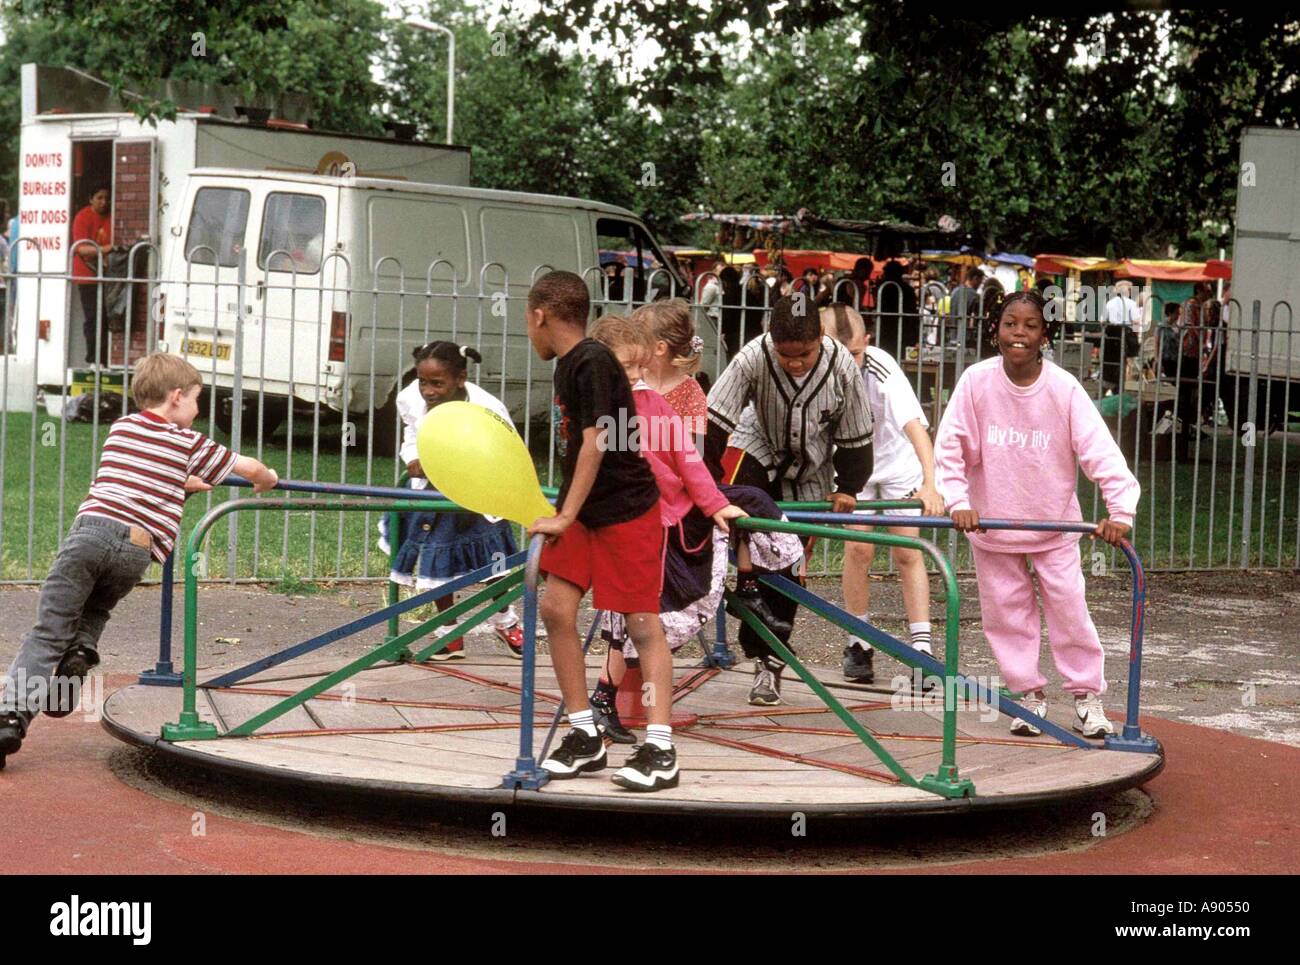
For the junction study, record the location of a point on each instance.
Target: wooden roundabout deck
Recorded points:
(450, 732)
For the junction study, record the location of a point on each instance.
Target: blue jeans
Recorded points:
(97, 565)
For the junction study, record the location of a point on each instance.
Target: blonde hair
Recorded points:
(157, 375)
(670, 320)
(842, 323)
(616, 331)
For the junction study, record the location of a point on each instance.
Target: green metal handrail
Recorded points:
(189, 727)
(510, 588)
(946, 781)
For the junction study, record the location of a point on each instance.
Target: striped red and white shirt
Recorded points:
(142, 473)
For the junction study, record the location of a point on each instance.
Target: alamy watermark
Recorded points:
(967, 693)
(128, 919)
(626, 432)
(36, 694)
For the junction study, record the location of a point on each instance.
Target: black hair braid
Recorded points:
(454, 356)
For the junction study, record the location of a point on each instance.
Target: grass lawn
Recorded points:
(270, 545)
(1173, 527)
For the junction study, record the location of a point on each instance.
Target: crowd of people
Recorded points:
(908, 304)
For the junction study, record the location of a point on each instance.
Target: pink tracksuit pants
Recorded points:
(1012, 626)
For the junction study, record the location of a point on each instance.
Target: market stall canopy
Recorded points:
(1136, 267)
(886, 239)
(1176, 270)
(764, 222)
(970, 256)
(797, 260)
(683, 253)
(697, 261)
(1064, 264)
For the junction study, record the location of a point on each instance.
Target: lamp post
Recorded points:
(421, 24)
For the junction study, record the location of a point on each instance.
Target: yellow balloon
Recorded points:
(477, 460)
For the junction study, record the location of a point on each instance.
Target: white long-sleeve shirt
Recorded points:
(412, 408)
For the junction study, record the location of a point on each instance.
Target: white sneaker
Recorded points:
(1019, 726)
(1090, 717)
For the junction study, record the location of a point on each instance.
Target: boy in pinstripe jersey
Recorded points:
(793, 406)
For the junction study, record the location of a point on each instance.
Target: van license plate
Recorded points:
(204, 349)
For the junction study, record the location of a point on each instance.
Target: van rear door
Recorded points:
(203, 284)
(291, 299)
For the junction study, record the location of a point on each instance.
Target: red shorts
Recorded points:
(622, 564)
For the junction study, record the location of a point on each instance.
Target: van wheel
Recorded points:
(386, 435)
(274, 411)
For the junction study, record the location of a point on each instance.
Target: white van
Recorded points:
(297, 288)
(77, 136)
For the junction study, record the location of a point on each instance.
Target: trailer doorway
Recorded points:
(126, 167)
(92, 169)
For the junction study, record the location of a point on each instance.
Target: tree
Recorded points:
(538, 121)
(1097, 133)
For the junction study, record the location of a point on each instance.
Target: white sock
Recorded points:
(660, 735)
(920, 635)
(504, 621)
(858, 640)
(583, 721)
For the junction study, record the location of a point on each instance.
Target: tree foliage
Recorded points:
(1107, 133)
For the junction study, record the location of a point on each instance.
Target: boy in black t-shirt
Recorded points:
(608, 536)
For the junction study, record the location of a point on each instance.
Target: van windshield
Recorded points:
(626, 245)
(216, 230)
(293, 233)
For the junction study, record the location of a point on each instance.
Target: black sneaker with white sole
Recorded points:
(649, 768)
(578, 753)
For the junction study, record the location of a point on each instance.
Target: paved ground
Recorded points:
(1222, 649)
(118, 811)
(1222, 653)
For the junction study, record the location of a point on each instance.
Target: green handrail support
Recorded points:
(189, 726)
(946, 781)
(490, 595)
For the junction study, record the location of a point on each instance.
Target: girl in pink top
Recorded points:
(1011, 442)
(694, 511)
(676, 358)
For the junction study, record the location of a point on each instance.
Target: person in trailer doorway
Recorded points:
(92, 234)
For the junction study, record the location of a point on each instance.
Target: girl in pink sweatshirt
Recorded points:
(694, 511)
(1010, 444)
